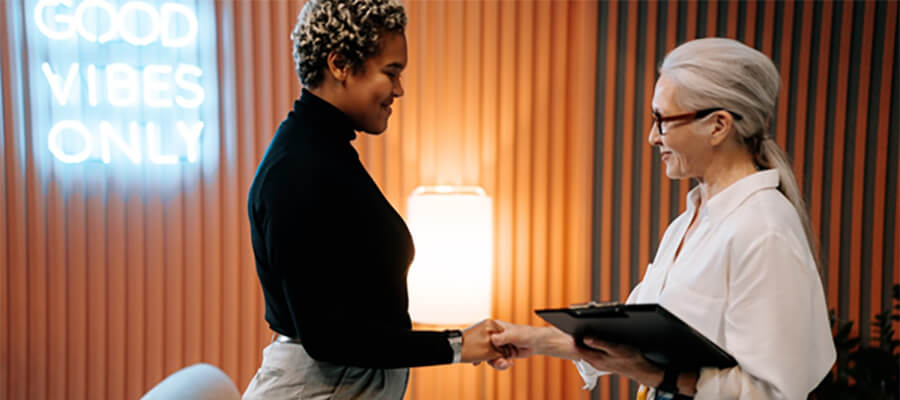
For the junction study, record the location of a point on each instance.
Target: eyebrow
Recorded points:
(396, 65)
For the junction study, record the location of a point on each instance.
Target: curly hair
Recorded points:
(351, 28)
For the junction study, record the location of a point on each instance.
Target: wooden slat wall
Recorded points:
(499, 94)
(107, 285)
(837, 118)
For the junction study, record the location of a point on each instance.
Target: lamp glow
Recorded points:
(451, 278)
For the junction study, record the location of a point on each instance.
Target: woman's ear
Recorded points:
(338, 66)
(721, 126)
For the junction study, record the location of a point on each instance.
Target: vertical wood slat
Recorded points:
(665, 191)
(580, 80)
(135, 279)
(606, 267)
(58, 360)
(253, 339)
(174, 303)
(76, 303)
(646, 153)
(453, 171)
(36, 287)
(154, 275)
(732, 29)
(539, 211)
(821, 115)
(802, 89)
(97, 274)
(690, 33)
(504, 219)
(211, 200)
(116, 255)
(521, 147)
(712, 12)
(627, 151)
(236, 332)
(834, 244)
(750, 24)
(558, 120)
(4, 218)
(15, 380)
(785, 69)
(858, 167)
(608, 151)
(472, 82)
(240, 59)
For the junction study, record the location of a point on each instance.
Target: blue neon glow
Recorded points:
(123, 82)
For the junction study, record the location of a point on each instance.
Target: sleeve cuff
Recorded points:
(588, 373)
(706, 382)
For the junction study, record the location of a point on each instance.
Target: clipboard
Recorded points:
(659, 335)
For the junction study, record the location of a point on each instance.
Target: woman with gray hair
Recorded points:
(331, 252)
(739, 264)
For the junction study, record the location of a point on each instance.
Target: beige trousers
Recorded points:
(288, 372)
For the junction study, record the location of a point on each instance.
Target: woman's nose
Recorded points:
(398, 89)
(654, 138)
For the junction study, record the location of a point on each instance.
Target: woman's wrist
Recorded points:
(652, 376)
(555, 343)
(647, 374)
(687, 383)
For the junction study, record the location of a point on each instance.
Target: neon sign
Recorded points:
(160, 22)
(122, 81)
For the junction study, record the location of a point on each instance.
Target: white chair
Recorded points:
(197, 382)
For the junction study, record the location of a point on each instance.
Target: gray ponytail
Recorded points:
(718, 72)
(771, 156)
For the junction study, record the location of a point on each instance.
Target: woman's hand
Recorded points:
(520, 341)
(621, 359)
(476, 346)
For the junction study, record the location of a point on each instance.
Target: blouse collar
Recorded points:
(724, 202)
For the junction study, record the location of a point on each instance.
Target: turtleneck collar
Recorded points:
(323, 112)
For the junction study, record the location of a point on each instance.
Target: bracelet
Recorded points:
(455, 338)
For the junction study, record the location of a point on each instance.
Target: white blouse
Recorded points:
(747, 280)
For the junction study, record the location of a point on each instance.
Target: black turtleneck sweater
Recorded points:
(332, 254)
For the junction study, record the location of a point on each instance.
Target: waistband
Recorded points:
(279, 338)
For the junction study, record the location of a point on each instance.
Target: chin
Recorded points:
(375, 130)
(674, 175)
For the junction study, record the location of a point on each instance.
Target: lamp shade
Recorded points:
(451, 276)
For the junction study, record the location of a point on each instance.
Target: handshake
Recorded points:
(498, 343)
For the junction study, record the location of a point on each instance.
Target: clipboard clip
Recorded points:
(594, 304)
(593, 308)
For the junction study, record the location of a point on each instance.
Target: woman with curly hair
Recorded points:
(332, 254)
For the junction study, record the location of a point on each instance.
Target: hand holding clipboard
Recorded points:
(660, 336)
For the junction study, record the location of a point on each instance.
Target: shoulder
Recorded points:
(766, 212)
(766, 223)
(293, 173)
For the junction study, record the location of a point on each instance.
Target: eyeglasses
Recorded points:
(694, 115)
